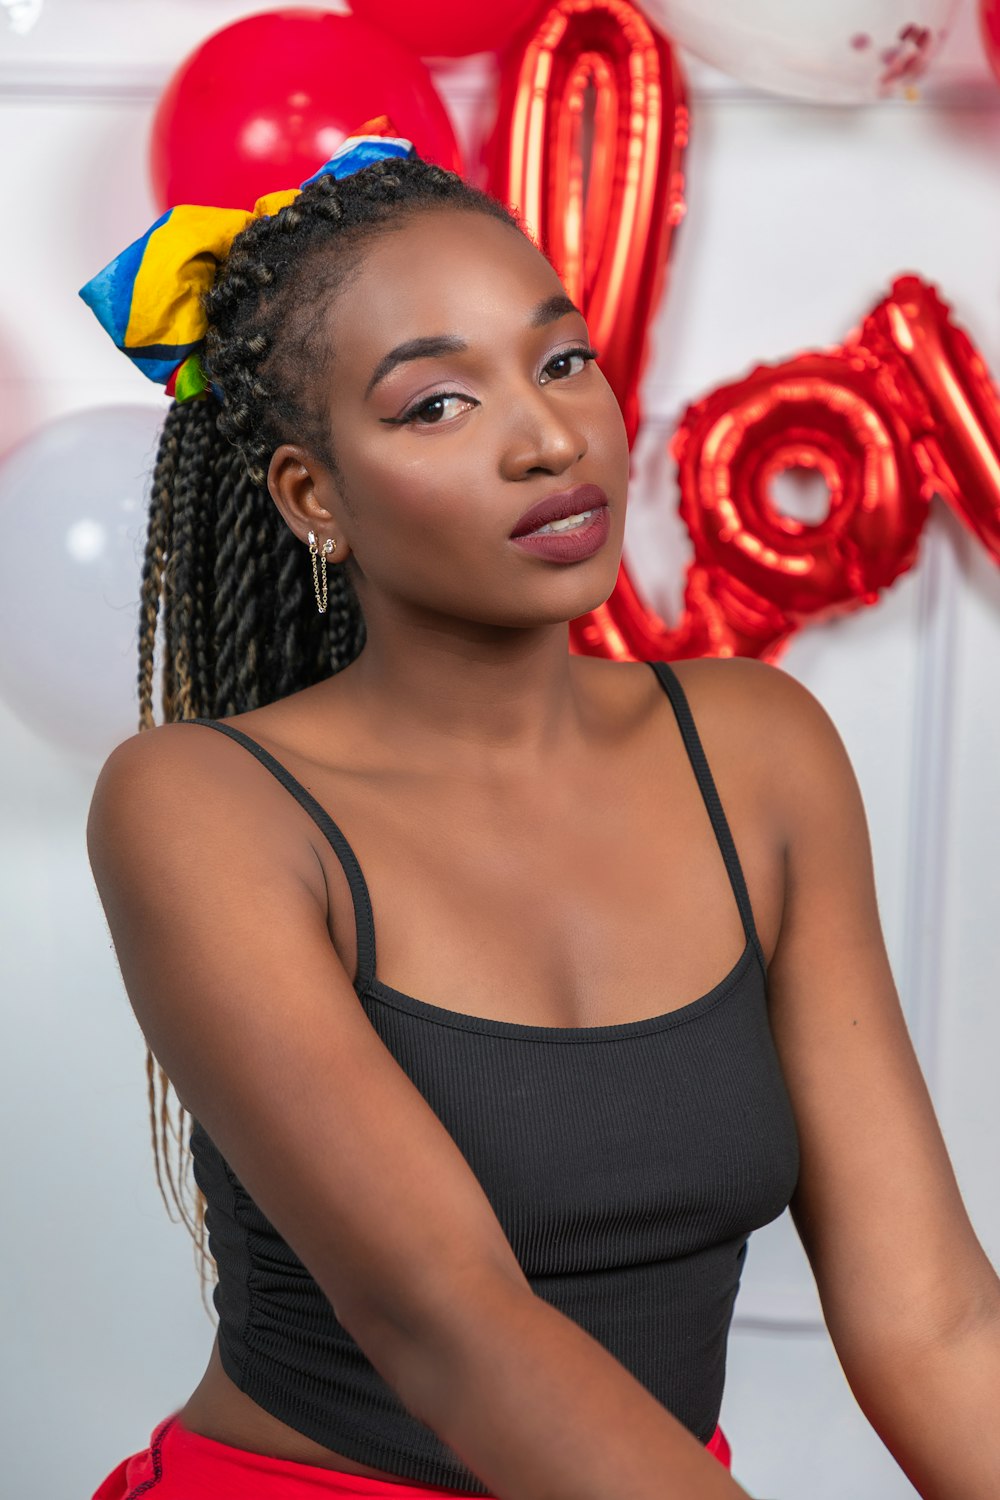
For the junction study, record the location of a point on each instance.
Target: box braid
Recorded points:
(240, 624)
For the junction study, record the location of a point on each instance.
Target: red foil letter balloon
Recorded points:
(610, 243)
(904, 409)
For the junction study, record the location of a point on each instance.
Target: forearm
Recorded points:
(540, 1410)
(936, 1407)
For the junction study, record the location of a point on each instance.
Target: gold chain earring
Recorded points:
(328, 546)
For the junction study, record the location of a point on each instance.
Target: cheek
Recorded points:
(432, 475)
(420, 510)
(610, 430)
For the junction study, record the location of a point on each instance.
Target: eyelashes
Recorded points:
(584, 351)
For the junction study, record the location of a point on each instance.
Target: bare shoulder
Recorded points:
(743, 688)
(174, 766)
(758, 712)
(720, 689)
(146, 770)
(762, 729)
(185, 791)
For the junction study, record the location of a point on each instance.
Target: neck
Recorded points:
(483, 697)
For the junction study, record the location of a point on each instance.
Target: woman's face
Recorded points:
(443, 454)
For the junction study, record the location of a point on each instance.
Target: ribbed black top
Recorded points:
(627, 1164)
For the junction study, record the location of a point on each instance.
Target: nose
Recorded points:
(544, 435)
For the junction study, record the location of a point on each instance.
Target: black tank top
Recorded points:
(627, 1165)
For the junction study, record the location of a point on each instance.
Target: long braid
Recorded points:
(240, 623)
(158, 541)
(185, 608)
(230, 481)
(202, 583)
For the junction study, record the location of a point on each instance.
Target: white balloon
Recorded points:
(22, 14)
(828, 51)
(74, 502)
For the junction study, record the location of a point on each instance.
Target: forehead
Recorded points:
(444, 271)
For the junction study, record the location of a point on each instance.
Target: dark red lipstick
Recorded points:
(558, 507)
(572, 543)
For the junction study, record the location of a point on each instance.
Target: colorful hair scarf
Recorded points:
(149, 298)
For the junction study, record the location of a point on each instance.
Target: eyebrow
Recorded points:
(431, 345)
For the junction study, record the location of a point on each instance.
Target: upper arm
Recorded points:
(877, 1206)
(227, 961)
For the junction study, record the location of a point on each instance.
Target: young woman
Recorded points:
(507, 990)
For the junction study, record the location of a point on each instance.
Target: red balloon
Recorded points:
(262, 103)
(904, 409)
(757, 574)
(839, 412)
(959, 425)
(989, 29)
(449, 28)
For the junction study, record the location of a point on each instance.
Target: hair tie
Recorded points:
(149, 298)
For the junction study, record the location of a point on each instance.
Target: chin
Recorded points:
(560, 606)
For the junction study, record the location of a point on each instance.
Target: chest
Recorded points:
(616, 1145)
(595, 900)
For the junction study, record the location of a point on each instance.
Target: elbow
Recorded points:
(873, 1350)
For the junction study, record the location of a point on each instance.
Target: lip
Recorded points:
(569, 546)
(557, 507)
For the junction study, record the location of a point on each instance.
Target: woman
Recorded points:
(413, 924)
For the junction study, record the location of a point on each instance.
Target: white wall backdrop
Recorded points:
(798, 218)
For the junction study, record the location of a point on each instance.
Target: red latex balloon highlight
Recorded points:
(264, 102)
(449, 28)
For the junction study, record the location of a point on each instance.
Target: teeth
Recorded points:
(565, 524)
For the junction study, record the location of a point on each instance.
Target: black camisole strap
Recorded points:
(696, 754)
(364, 920)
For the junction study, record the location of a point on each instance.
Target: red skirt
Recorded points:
(183, 1465)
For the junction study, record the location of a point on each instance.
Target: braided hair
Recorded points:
(240, 629)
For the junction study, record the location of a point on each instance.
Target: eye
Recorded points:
(411, 416)
(582, 352)
(426, 406)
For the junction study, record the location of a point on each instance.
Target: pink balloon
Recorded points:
(261, 104)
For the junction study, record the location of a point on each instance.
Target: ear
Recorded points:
(305, 493)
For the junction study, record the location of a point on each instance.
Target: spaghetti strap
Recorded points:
(364, 920)
(699, 763)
